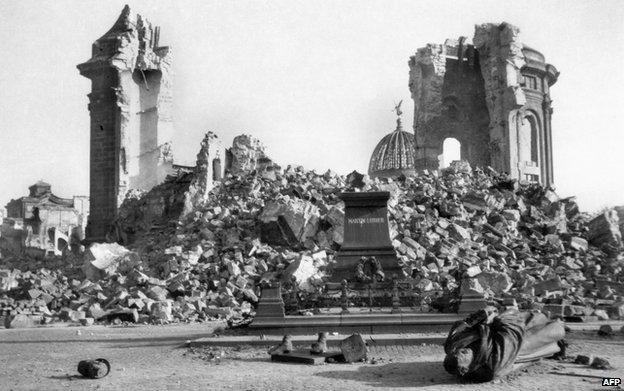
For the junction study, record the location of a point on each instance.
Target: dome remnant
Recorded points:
(394, 155)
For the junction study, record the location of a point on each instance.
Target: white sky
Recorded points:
(314, 80)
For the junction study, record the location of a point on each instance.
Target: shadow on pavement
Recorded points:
(67, 377)
(413, 374)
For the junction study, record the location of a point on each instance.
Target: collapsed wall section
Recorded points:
(449, 102)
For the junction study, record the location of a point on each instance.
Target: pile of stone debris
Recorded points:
(186, 257)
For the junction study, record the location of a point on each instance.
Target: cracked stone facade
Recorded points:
(130, 105)
(493, 96)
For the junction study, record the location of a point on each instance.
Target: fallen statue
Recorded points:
(487, 345)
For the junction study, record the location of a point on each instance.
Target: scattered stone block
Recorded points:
(601, 314)
(604, 229)
(354, 348)
(578, 244)
(19, 321)
(102, 259)
(161, 311)
(87, 321)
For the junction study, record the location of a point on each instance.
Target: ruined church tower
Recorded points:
(493, 96)
(130, 108)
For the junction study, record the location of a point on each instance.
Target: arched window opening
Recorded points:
(528, 148)
(528, 139)
(534, 140)
(451, 151)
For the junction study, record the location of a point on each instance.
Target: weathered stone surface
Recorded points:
(303, 270)
(354, 348)
(605, 229)
(102, 259)
(616, 310)
(157, 293)
(96, 312)
(578, 244)
(289, 221)
(247, 154)
(355, 180)
(19, 321)
(601, 314)
(87, 321)
(620, 212)
(496, 282)
(471, 286)
(161, 311)
(207, 170)
(8, 280)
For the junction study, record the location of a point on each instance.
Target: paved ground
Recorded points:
(155, 358)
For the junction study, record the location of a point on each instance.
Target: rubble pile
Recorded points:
(462, 227)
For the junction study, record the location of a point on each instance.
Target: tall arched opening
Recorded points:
(451, 151)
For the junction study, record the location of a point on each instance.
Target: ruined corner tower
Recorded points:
(493, 96)
(130, 108)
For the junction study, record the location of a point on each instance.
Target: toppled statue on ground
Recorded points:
(487, 345)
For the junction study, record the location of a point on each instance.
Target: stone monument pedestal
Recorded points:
(366, 234)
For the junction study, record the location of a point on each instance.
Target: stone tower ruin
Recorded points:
(493, 96)
(130, 108)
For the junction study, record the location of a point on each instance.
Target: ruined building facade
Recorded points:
(130, 107)
(493, 96)
(42, 222)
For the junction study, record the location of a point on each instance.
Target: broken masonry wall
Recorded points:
(207, 171)
(426, 77)
(130, 108)
(501, 58)
(492, 96)
(449, 102)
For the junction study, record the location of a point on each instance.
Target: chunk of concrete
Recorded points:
(19, 321)
(105, 259)
(354, 348)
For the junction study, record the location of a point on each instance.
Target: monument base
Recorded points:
(348, 259)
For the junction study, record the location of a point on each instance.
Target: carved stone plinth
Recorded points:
(366, 234)
(270, 304)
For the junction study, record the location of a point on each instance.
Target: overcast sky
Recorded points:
(314, 80)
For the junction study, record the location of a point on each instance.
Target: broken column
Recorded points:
(130, 107)
(500, 57)
(205, 172)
